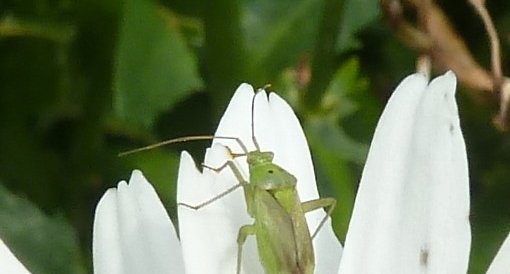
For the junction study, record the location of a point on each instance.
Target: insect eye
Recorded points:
(270, 171)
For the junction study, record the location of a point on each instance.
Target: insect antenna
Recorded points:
(253, 121)
(186, 139)
(253, 138)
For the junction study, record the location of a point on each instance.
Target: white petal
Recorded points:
(412, 207)
(209, 234)
(441, 168)
(133, 233)
(276, 129)
(106, 246)
(236, 121)
(501, 263)
(328, 250)
(366, 240)
(9, 263)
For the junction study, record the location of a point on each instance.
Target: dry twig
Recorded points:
(437, 38)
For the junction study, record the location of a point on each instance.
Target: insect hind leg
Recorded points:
(312, 205)
(244, 232)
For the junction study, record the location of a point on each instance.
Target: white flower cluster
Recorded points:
(411, 213)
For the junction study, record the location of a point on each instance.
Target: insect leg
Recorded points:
(217, 169)
(239, 177)
(244, 232)
(228, 163)
(233, 167)
(312, 205)
(219, 196)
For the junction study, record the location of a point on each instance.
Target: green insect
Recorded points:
(283, 240)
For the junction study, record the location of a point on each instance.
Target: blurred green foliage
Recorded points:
(81, 81)
(45, 244)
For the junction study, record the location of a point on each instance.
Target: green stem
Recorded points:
(324, 56)
(225, 54)
(45, 31)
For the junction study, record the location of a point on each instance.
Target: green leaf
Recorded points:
(333, 150)
(43, 244)
(357, 14)
(154, 68)
(160, 168)
(345, 81)
(337, 141)
(277, 41)
(358, 107)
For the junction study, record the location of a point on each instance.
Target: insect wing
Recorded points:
(275, 235)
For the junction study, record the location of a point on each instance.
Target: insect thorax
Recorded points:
(259, 157)
(267, 175)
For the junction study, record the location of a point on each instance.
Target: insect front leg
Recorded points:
(244, 232)
(217, 197)
(312, 205)
(239, 177)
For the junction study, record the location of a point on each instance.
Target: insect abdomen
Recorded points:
(275, 236)
(289, 199)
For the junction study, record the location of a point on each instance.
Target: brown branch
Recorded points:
(450, 52)
(437, 38)
(500, 120)
(411, 36)
(493, 38)
(424, 65)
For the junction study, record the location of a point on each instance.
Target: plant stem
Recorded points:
(324, 55)
(225, 51)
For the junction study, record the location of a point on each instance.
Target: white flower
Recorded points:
(501, 264)
(9, 263)
(133, 233)
(208, 236)
(411, 213)
(211, 232)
